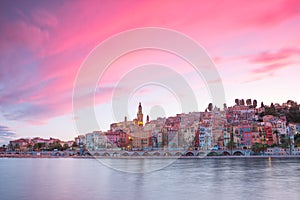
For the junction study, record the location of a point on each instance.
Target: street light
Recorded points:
(267, 141)
(130, 143)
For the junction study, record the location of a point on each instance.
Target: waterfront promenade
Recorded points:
(145, 155)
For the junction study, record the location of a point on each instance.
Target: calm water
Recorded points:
(64, 178)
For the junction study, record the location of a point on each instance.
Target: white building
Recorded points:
(96, 140)
(205, 138)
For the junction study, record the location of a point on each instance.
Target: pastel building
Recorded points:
(172, 137)
(92, 140)
(269, 136)
(246, 135)
(117, 138)
(226, 135)
(96, 140)
(159, 139)
(280, 126)
(80, 140)
(205, 138)
(19, 144)
(256, 138)
(140, 139)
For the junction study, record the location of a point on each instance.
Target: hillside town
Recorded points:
(245, 126)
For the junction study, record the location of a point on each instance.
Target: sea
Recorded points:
(149, 179)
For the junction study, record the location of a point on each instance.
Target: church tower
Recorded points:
(140, 115)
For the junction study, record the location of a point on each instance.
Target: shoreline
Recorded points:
(155, 157)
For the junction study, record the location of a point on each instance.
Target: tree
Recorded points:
(237, 102)
(291, 103)
(297, 142)
(297, 139)
(270, 111)
(210, 106)
(257, 148)
(231, 145)
(248, 102)
(65, 147)
(272, 105)
(74, 145)
(284, 142)
(29, 147)
(55, 145)
(293, 115)
(38, 146)
(254, 103)
(242, 102)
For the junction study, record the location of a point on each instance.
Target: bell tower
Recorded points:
(140, 115)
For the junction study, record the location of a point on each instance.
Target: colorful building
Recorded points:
(246, 135)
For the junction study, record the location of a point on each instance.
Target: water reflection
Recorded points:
(138, 165)
(52, 179)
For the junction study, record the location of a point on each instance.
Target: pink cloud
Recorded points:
(56, 41)
(279, 55)
(270, 68)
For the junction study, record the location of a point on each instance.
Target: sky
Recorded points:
(254, 46)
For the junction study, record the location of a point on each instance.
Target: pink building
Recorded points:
(117, 138)
(19, 144)
(269, 134)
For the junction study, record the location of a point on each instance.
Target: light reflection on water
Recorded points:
(68, 178)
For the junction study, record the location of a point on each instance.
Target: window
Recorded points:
(144, 141)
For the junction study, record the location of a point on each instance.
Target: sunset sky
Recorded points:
(255, 46)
